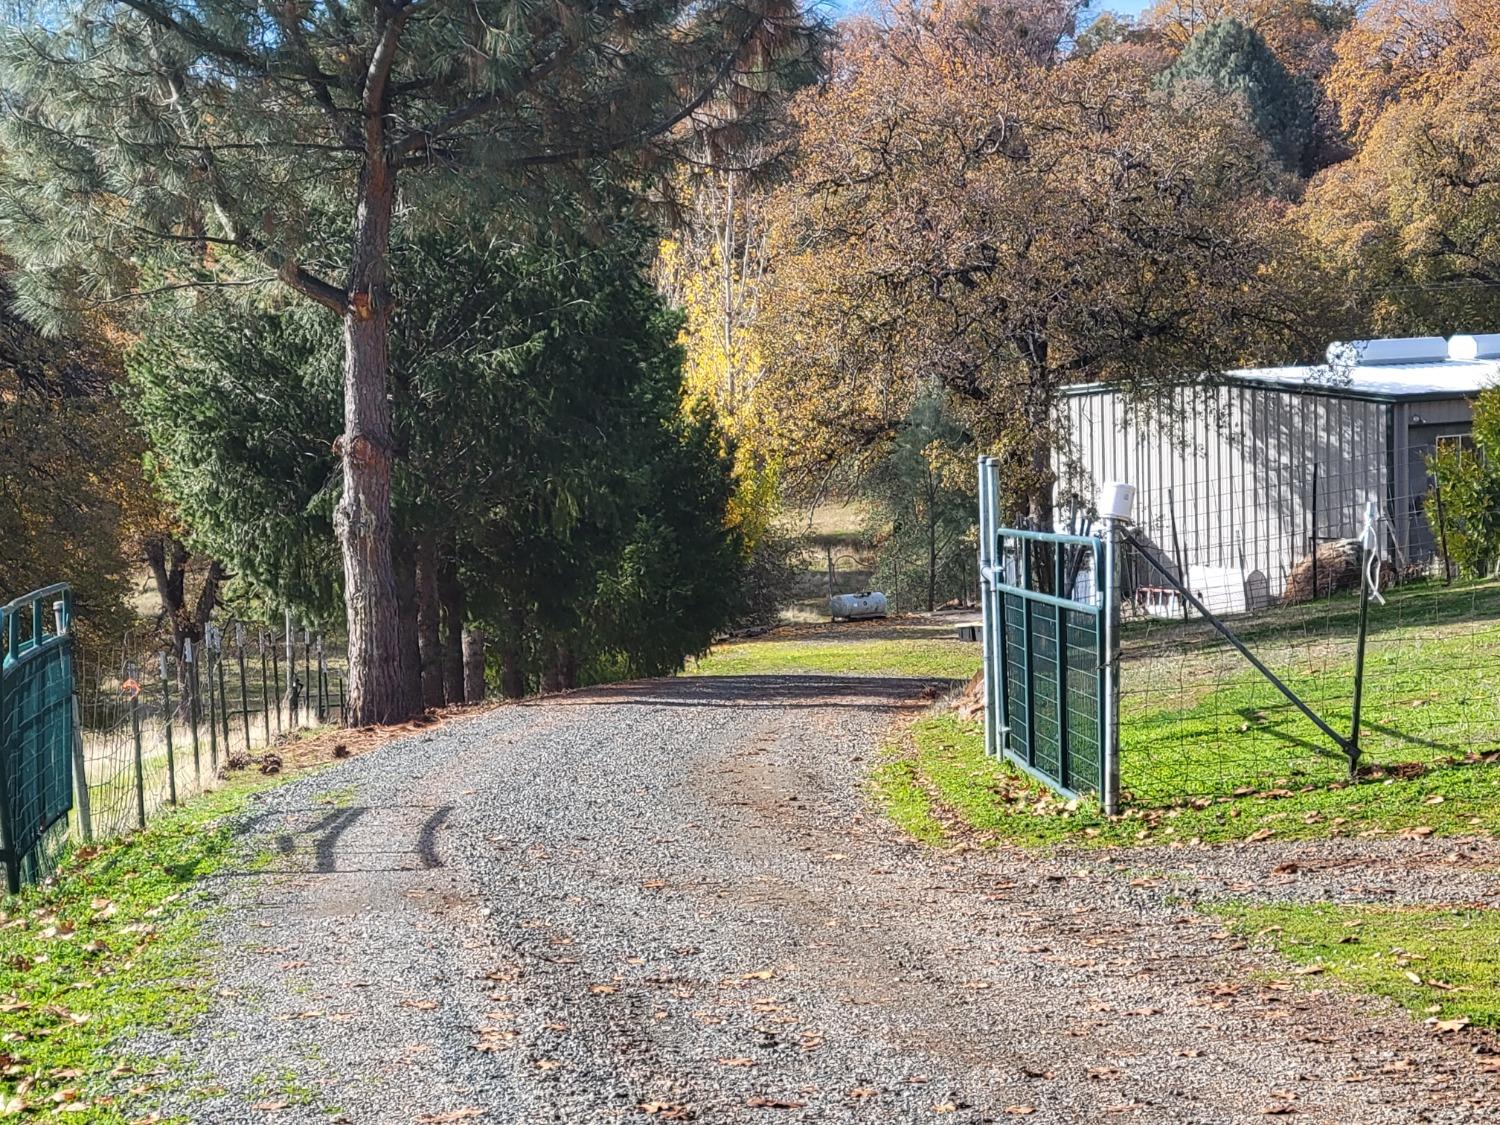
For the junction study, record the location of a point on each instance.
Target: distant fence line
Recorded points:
(158, 726)
(93, 744)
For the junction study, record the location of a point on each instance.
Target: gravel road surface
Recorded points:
(669, 901)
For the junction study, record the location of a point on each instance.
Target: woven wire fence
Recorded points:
(159, 728)
(1198, 722)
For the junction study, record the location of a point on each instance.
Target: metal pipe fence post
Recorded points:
(223, 696)
(1060, 623)
(984, 605)
(64, 613)
(276, 682)
(239, 656)
(1312, 531)
(307, 676)
(140, 767)
(1359, 664)
(213, 714)
(195, 709)
(343, 710)
(265, 698)
(1115, 501)
(1369, 544)
(166, 703)
(322, 683)
(291, 673)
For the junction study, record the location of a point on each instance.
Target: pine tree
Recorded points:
(545, 488)
(160, 145)
(1233, 58)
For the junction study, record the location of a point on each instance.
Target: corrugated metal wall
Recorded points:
(1226, 474)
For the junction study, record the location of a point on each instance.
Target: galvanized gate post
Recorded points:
(988, 618)
(1115, 501)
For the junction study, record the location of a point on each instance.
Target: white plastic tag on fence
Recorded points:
(1369, 539)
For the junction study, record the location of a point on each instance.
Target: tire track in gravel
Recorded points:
(670, 901)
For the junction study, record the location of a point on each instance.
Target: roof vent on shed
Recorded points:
(1475, 347)
(1374, 353)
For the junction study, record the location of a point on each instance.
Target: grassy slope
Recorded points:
(106, 952)
(939, 784)
(1196, 719)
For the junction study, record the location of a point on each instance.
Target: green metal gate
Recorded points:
(37, 726)
(1050, 623)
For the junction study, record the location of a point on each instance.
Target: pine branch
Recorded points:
(457, 118)
(604, 148)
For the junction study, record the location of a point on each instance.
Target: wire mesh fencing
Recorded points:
(1198, 722)
(160, 725)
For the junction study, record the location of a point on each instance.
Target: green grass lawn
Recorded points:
(939, 786)
(109, 950)
(921, 657)
(1196, 719)
(1210, 751)
(1441, 963)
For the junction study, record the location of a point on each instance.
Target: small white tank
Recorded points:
(851, 607)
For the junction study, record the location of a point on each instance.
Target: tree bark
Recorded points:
(512, 675)
(551, 673)
(429, 626)
(407, 632)
(567, 666)
(451, 597)
(363, 516)
(473, 666)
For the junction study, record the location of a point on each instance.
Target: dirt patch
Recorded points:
(293, 753)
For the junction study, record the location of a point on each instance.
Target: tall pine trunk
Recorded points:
(473, 666)
(411, 655)
(429, 626)
(512, 675)
(363, 517)
(451, 597)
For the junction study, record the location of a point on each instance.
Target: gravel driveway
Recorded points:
(669, 901)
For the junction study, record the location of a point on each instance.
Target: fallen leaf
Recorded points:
(760, 1101)
(667, 1111)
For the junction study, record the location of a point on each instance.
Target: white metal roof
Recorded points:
(1413, 367)
(1452, 377)
(1427, 367)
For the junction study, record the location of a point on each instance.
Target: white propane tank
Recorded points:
(851, 607)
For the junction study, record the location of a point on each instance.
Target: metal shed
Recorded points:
(1240, 475)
